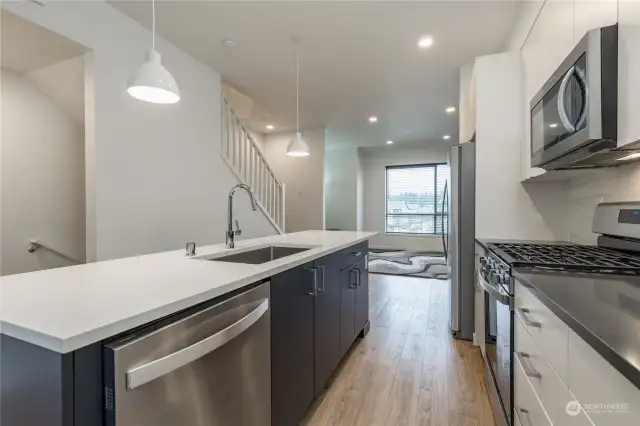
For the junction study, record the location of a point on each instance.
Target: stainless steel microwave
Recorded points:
(574, 116)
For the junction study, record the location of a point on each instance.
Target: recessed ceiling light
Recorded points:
(270, 126)
(450, 110)
(425, 42)
(373, 119)
(553, 125)
(633, 156)
(446, 137)
(389, 142)
(229, 43)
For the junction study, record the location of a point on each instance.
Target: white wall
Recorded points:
(374, 163)
(341, 188)
(506, 208)
(155, 174)
(302, 176)
(42, 179)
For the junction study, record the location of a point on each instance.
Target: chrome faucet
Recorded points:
(231, 233)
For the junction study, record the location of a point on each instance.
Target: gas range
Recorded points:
(569, 257)
(617, 253)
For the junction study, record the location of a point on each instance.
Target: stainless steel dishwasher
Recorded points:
(207, 367)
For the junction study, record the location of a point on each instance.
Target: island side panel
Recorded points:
(88, 386)
(36, 385)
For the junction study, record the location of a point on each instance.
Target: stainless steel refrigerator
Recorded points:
(460, 238)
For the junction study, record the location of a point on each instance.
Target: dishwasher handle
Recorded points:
(138, 376)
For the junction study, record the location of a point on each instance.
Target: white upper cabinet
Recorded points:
(628, 72)
(590, 14)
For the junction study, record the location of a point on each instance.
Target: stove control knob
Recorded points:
(503, 278)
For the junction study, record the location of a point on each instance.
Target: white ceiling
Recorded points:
(356, 59)
(27, 46)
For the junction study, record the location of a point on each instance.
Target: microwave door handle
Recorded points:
(562, 110)
(583, 113)
(138, 376)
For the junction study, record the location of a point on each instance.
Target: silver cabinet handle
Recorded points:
(525, 365)
(354, 282)
(493, 292)
(321, 281)
(525, 415)
(529, 322)
(356, 253)
(358, 277)
(314, 271)
(138, 376)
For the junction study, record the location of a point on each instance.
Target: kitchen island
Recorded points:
(57, 320)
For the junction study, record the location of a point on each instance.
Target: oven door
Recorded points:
(498, 341)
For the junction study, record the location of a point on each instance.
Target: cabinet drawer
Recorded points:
(526, 405)
(551, 391)
(547, 330)
(354, 254)
(599, 387)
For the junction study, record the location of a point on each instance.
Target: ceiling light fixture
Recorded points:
(373, 119)
(633, 156)
(297, 147)
(152, 82)
(425, 42)
(450, 110)
(229, 43)
(389, 142)
(553, 125)
(446, 137)
(270, 126)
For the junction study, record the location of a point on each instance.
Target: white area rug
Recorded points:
(417, 264)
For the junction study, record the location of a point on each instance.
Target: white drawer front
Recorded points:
(526, 404)
(597, 383)
(547, 330)
(552, 393)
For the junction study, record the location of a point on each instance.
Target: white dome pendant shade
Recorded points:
(152, 82)
(297, 147)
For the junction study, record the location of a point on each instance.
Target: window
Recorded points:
(415, 197)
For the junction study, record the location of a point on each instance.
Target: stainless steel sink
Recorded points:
(258, 256)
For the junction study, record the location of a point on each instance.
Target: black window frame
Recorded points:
(436, 232)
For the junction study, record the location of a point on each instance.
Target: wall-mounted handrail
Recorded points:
(35, 245)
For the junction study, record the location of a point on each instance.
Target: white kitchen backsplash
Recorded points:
(595, 186)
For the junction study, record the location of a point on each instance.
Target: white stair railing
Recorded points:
(246, 161)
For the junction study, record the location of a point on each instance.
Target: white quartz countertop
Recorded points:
(67, 308)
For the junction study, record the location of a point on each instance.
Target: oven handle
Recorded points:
(505, 299)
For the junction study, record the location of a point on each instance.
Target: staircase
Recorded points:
(246, 161)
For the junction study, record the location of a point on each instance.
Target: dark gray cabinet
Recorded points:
(348, 283)
(327, 319)
(292, 345)
(362, 297)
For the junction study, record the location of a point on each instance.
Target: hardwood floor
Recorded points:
(408, 370)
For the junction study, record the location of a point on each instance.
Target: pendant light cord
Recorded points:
(297, 93)
(153, 24)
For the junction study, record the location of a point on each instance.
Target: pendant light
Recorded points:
(152, 82)
(297, 147)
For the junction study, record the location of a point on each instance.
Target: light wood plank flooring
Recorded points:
(408, 370)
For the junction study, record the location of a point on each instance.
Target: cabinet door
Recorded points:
(362, 295)
(327, 319)
(292, 345)
(348, 281)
